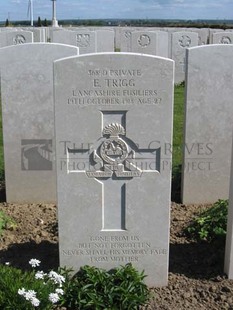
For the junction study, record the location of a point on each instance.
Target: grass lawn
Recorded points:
(177, 142)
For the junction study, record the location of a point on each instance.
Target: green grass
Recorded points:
(178, 125)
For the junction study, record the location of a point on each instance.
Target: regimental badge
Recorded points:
(83, 40)
(19, 39)
(114, 150)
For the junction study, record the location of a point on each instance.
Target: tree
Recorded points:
(45, 22)
(39, 22)
(7, 23)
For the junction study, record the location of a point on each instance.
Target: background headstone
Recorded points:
(212, 31)
(85, 40)
(150, 42)
(28, 120)
(113, 115)
(8, 38)
(180, 41)
(105, 41)
(223, 37)
(125, 39)
(208, 124)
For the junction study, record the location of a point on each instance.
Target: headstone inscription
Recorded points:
(114, 116)
(228, 263)
(28, 120)
(209, 116)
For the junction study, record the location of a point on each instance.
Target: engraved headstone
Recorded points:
(39, 35)
(212, 31)
(223, 37)
(125, 39)
(8, 38)
(203, 36)
(180, 41)
(114, 117)
(228, 264)
(85, 40)
(28, 120)
(208, 124)
(150, 42)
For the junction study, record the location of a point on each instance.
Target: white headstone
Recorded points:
(150, 42)
(8, 38)
(113, 115)
(212, 31)
(105, 41)
(39, 35)
(85, 40)
(125, 39)
(203, 36)
(180, 41)
(28, 120)
(223, 37)
(208, 125)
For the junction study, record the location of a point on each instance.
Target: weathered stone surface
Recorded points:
(28, 120)
(105, 41)
(208, 125)
(113, 115)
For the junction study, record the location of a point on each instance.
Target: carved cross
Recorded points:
(113, 162)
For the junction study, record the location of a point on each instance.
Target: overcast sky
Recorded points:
(75, 9)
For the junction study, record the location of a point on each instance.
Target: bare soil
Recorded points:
(196, 278)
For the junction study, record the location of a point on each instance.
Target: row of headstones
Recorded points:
(122, 35)
(113, 116)
(87, 41)
(123, 39)
(171, 43)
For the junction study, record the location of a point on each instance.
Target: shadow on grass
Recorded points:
(176, 184)
(200, 260)
(19, 254)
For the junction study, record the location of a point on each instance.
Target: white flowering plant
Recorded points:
(90, 288)
(30, 290)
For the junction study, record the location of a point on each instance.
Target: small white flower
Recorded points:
(35, 302)
(53, 297)
(56, 278)
(59, 291)
(40, 275)
(29, 295)
(7, 263)
(21, 291)
(34, 262)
